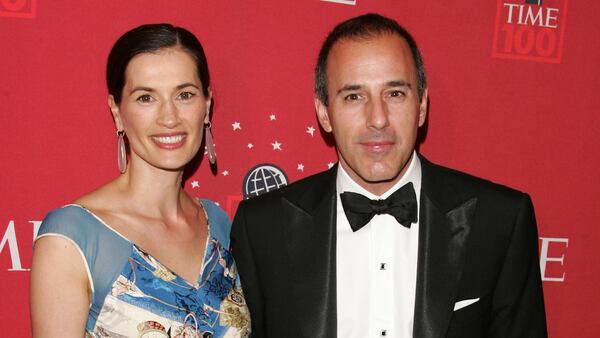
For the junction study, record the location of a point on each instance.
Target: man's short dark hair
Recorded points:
(365, 27)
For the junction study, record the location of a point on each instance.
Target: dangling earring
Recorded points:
(121, 152)
(210, 144)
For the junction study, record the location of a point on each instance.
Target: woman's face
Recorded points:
(162, 109)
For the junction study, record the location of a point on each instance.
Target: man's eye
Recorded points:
(145, 98)
(396, 93)
(186, 95)
(352, 97)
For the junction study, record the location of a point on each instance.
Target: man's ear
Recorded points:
(323, 115)
(116, 113)
(423, 108)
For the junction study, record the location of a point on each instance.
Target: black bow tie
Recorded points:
(402, 204)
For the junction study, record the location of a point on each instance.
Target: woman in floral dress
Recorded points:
(139, 257)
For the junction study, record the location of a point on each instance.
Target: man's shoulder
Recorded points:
(316, 185)
(461, 182)
(320, 179)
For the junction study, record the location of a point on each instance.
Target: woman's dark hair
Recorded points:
(148, 39)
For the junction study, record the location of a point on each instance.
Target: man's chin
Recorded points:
(376, 179)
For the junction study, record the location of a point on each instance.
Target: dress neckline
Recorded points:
(144, 252)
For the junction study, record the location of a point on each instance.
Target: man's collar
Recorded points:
(413, 174)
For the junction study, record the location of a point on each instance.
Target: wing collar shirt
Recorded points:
(376, 266)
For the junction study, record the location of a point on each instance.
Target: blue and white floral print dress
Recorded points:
(134, 295)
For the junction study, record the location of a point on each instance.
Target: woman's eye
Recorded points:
(186, 95)
(145, 98)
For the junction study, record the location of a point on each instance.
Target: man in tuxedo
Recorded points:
(386, 243)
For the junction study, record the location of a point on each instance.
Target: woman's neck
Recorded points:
(154, 192)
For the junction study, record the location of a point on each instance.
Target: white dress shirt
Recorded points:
(376, 266)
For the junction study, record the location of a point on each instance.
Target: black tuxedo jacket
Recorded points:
(477, 239)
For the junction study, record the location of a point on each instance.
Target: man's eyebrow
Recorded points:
(349, 87)
(398, 83)
(390, 84)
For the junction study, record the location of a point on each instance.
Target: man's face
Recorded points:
(374, 109)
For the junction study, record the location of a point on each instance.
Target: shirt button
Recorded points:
(382, 266)
(383, 333)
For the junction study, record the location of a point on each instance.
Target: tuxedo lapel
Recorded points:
(310, 236)
(444, 226)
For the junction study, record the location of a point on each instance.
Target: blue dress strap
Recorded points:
(100, 245)
(220, 224)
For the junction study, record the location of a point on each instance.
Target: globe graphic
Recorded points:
(262, 179)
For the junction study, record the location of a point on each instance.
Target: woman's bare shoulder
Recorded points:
(106, 197)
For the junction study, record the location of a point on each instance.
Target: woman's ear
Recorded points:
(116, 113)
(209, 100)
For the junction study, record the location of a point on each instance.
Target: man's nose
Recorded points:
(377, 114)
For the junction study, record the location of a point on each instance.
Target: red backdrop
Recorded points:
(513, 98)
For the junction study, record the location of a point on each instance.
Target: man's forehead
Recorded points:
(367, 48)
(367, 39)
(385, 59)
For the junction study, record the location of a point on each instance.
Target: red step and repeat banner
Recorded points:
(513, 96)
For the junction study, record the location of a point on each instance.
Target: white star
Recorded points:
(225, 173)
(330, 164)
(236, 125)
(250, 145)
(195, 184)
(310, 130)
(276, 146)
(217, 203)
(300, 167)
(272, 117)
